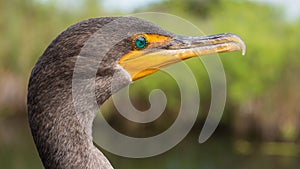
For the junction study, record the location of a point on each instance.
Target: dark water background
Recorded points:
(221, 151)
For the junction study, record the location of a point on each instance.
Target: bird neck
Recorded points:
(62, 136)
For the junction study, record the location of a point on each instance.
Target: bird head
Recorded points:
(127, 48)
(142, 48)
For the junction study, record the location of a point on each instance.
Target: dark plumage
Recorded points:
(63, 136)
(60, 139)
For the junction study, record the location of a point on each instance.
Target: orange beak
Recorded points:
(163, 51)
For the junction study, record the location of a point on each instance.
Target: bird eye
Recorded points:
(140, 42)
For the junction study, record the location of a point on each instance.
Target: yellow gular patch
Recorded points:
(134, 62)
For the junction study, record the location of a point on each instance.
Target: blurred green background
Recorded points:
(260, 127)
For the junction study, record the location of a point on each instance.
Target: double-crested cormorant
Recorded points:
(63, 137)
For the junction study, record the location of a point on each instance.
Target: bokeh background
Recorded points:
(260, 127)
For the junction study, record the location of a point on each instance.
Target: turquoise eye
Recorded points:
(140, 42)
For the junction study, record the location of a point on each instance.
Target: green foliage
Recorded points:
(27, 27)
(265, 34)
(193, 7)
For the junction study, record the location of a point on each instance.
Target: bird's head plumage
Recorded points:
(128, 47)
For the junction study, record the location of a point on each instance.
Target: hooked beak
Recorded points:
(170, 50)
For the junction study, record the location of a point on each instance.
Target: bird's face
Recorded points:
(151, 52)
